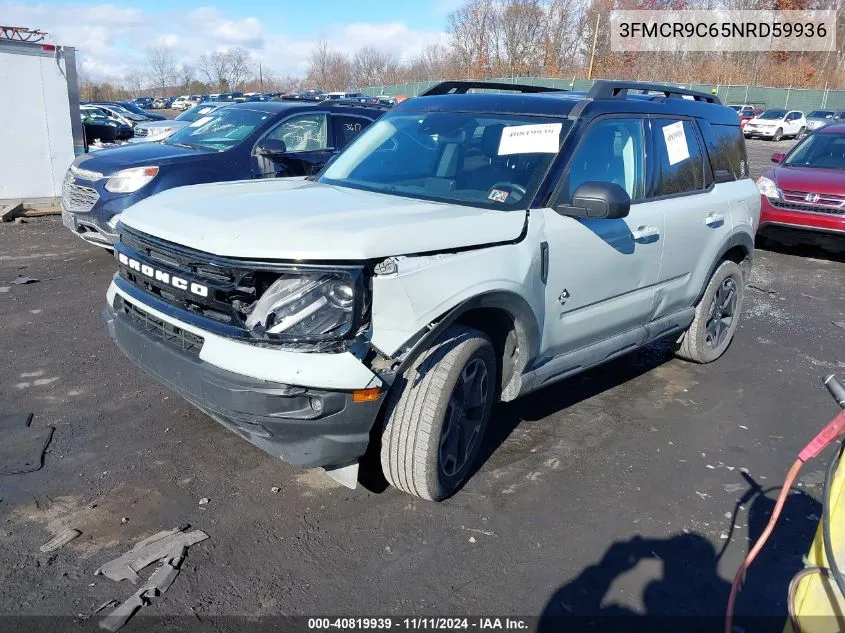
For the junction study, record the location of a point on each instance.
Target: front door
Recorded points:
(602, 273)
(306, 147)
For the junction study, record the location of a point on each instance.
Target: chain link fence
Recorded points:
(760, 96)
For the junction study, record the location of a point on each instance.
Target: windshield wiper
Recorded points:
(187, 145)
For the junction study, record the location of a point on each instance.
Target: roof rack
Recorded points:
(604, 89)
(353, 103)
(462, 87)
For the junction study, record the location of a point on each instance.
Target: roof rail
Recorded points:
(604, 89)
(462, 87)
(353, 103)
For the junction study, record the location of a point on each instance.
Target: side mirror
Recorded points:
(778, 157)
(592, 199)
(271, 148)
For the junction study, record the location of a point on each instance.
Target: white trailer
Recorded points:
(41, 130)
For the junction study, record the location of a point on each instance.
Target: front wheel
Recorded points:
(716, 316)
(778, 135)
(437, 415)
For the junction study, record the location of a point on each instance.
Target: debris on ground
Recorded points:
(204, 501)
(60, 540)
(23, 446)
(839, 324)
(10, 211)
(124, 520)
(734, 487)
(274, 489)
(106, 605)
(20, 280)
(168, 547)
(157, 547)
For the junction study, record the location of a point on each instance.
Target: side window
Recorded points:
(611, 151)
(346, 128)
(679, 156)
(726, 147)
(303, 133)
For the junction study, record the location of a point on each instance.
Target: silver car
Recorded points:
(154, 131)
(818, 119)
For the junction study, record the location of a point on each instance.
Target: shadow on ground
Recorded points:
(691, 595)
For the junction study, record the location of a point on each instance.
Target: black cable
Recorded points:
(828, 545)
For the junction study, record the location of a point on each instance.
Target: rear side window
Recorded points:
(727, 150)
(681, 166)
(346, 128)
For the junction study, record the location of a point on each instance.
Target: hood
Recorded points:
(766, 121)
(109, 161)
(293, 218)
(810, 179)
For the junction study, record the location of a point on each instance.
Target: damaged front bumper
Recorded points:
(304, 425)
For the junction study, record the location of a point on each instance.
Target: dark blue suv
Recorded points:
(238, 142)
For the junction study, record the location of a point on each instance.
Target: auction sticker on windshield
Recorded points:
(676, 142)
(201, 121)
(542, 138)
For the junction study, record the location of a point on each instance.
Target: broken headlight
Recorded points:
(309, 305)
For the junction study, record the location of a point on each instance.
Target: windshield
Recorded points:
(219, 131)
(737, 108)
(485, 160)
(196, 112)
(773, 114)
(826, 151)
(132, 107)
(820, 114)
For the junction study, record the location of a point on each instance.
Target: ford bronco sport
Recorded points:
(468, 247)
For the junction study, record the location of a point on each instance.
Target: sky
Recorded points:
(110, 38)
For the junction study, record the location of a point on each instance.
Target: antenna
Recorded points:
(21, 34)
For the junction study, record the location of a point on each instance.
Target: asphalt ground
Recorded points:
(632, 489)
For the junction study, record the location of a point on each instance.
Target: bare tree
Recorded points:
(162, 67)
(187, 74)
(471, 32)
(240, 67)
(371, 67)
(215, 67)
(134, 81)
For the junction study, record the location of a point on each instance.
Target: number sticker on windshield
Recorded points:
(201, 121)
(543, 138)
(497, 195)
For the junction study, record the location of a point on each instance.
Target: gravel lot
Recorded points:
(613, 492)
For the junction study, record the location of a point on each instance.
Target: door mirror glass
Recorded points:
(592, 199)
(778, 157)
(271, 147)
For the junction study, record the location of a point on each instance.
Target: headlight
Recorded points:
(160, 131)
(129, 180)
(768, 187)
(322, 305)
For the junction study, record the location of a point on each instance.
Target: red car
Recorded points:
(803, 197)
(746, 113)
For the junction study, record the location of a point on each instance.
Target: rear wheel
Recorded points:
(437, 415)
(716, 316)
(801, 133)
(778, 134)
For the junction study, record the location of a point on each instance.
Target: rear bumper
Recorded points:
(304, 426)
(772, 217)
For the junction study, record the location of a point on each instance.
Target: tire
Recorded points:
(416, 456)
(778, 135)
(703, 344)
(801, 134)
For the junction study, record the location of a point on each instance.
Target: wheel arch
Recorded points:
(738, 248)
(509, 321)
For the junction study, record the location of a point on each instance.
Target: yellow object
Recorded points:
(818, 606)
(366, 395)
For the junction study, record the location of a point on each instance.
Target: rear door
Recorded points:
(697, 212)
(345, 128)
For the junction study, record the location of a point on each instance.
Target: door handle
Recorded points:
(714, 219)
(644, 232)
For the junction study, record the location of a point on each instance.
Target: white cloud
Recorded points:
(111, 39)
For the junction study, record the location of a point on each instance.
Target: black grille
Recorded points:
(808, 208)
(230, 288)
(173, 335)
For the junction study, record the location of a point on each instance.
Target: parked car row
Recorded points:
(401, 279)
(778, 123)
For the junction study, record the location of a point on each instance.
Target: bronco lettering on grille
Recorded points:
(162, 276)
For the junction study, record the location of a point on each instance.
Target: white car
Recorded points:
(182, 103)
(465, 249)
(776, 124)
